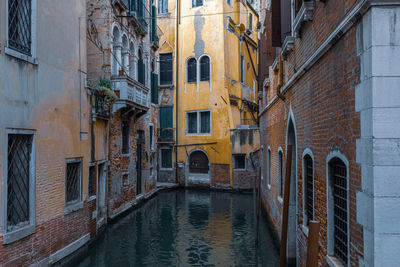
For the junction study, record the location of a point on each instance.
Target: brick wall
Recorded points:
(323, 105)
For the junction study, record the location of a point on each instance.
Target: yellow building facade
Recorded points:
(208, 84)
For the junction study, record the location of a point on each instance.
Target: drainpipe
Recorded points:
(178, 22)
(280, 77)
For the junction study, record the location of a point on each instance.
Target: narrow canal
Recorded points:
(186, 228)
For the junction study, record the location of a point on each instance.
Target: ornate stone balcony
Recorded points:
(130, 93)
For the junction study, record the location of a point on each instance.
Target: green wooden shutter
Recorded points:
(154, 88)
(166, 122)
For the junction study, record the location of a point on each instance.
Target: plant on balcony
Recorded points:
(104, 89)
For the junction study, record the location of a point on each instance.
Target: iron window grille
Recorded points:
(205, 68)
(18, 174)
(125, 137)
(92, 181)
(280, 157)
(191, 70)
(339, 189)
(73, 181)
(20, 25)
(240, 161)
(309, 188)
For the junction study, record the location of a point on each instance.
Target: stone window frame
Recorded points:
(92, 165)
(331, 259)
(161, 159)
(307, 152)
(280, 174)
(74, 205)
(198, 121)
(17, 234)
(16, 54)
(234, 162)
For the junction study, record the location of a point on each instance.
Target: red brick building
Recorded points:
(328, 64)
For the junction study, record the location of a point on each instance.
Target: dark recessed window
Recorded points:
(166, 158)
(191, 70)
(19, 25)
(280, 173)
(196, 3)
(125, 137)
(309, 188)
(239, 162)
(198, 122)
(73, 181)
(166, 69)
(205, 68)
(92, 181)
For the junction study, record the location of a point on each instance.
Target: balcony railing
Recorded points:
(101, 104)
(166, 135)
(137, 9)
(130, 91)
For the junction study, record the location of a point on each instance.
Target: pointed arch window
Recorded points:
(308, 189)
(205, 68)
(191, 70)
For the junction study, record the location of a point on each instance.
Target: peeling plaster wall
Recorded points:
(49, 98)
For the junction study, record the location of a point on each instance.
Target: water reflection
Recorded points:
(185, 228)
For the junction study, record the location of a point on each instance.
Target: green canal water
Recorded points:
(186, 228)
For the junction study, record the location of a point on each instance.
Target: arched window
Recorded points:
(132, 60)
(308, 189)
(204, 68)
(191, 70)
(198, 162)
(338, 210)
(141, 69)
(116, 55)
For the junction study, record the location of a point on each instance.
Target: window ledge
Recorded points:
(275, 64)
(239, 170)
(305, 14)
(18, 234)
(166, 169)
(288, 45)
(333, 261)
(280, 200)
(269, 186)
(166, 85)
(164, 15)
(91, 198)
(20, 56)
(73, 207)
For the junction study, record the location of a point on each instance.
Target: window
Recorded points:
(154, 88)
(151, 130)
(250, 25)
(280, 173)
(19, 183)
(308, 189)
(125, 137)
(191, 70)
(166, 158)
(242, 69)
(73, 181)
(198, 122)
(204, 68)
(166, 69)
(229, 2)
(162, 6)
(196, 3)
(239, 161)
(92, 181)
(338, 187)
(20, 26)
(141, 69)
(269, 167)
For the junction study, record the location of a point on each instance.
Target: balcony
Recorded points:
(130, 93)
(101, 105)
(166, 135)
(140, 16)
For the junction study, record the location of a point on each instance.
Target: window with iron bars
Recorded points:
(340, 214)
(125, 137)
(20, 25)
(308, 188)
(18, 180)
(280, 173)
(73, 181)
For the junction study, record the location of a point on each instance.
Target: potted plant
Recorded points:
(104, 89)
(121, 72)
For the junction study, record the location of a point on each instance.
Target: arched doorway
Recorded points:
(198, 168)
(292, 220)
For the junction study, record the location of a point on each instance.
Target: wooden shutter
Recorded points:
(154, 88)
